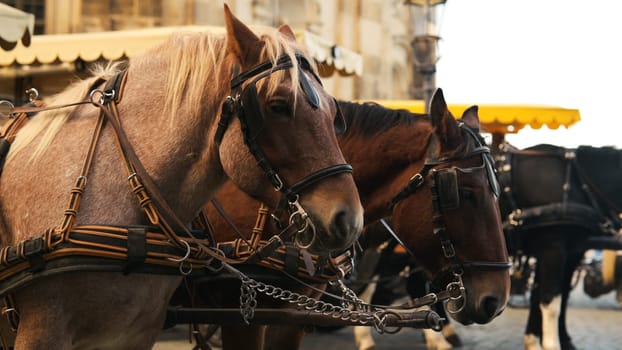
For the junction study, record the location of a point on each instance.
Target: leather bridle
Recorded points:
(243, 103)
(444, 188)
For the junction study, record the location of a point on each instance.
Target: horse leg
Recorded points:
(362, 334)
(242, 337)
(93, 310)
(448, 331)
(552, 272)
(550, 323)
(571, 266)
(435, 340)
(417, 286)
(533, 330)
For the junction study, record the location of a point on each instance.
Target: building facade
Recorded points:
(380, 31)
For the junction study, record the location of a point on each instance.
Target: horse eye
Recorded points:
(279, 108)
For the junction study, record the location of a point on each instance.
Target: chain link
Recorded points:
(248, 299)
(361, 313)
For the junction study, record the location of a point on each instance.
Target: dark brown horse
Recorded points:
(183, 118)
(436, 178)
(558, 203)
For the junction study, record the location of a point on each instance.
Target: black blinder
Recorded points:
(492, 175)
(446, 181)
(252, 116)
(308, 90)
(340, 121)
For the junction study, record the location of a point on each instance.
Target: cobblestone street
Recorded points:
(594, 324)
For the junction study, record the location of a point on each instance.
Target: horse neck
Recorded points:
(178, 153)
(384, 162)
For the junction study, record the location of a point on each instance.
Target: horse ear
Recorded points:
(241, 41)
(444, 123)
(471, 117)
(287, 32)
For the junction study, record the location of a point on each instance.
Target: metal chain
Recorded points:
(348, 297)
(362, 313)
(248, 299)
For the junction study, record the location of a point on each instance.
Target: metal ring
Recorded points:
(301, 244)
(185, 272)
(386, 329)
(92, 97)
(32, 94)
(82, 177)
(11, 105)
(185, 257)
(455, 311)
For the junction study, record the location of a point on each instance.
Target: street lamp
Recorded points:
(426, 16)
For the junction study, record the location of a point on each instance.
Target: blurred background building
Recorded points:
(381, 50)
(342, 34)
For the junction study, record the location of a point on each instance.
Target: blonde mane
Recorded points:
(192, 63)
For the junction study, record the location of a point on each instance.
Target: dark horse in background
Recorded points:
(434, 176)
(557, 203)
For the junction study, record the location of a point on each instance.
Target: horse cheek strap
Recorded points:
(447, 184)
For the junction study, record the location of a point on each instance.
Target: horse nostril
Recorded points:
(490, 305)
(340, 226)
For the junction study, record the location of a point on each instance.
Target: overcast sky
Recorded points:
(565, 53)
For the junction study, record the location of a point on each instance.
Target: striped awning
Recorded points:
(60, 52)
(502, 118)
(15, 26)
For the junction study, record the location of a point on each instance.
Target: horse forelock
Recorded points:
(47, 124)
(276, 45)
(196, 59)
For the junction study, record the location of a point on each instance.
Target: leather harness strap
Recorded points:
(589, 215)
(275, 254)
(165, 247)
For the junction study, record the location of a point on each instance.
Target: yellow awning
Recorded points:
(502, 118)
(60, 52)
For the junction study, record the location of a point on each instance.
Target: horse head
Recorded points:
(282, 147)
(455, 197)
(150, 143)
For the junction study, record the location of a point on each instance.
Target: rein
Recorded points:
(444, 188)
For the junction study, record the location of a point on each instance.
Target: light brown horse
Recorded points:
(168, 129)
(397, 158)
